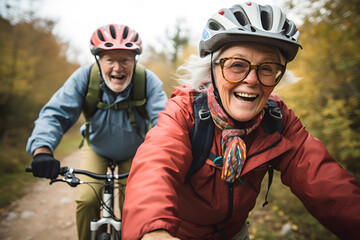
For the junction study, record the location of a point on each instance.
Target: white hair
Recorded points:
(196, 71)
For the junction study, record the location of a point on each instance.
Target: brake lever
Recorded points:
(73, 181)
(57, 180)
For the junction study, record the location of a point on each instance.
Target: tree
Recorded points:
(165, 61)
(179, 38)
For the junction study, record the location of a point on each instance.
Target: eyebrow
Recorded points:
(274, 58)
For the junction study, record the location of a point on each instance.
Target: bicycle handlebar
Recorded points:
(65, 170)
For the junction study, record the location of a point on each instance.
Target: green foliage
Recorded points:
(33, 69)
(327, 99)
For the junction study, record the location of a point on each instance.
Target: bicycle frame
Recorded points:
(108, 205)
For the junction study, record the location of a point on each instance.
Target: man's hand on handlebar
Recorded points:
(45, 165)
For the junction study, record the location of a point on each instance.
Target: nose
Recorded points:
(117, 66)
(252, 78)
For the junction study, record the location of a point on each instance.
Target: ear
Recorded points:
(136, 58)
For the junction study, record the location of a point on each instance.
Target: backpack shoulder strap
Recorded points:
(92, 98)
(93, 92)
(272, 118)
(271, 123)
(201, 135)
(138, 92)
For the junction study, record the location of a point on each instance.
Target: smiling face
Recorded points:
(117, 68)
(245, 99)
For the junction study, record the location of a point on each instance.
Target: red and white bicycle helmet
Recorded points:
(251, 22)
(115, 36)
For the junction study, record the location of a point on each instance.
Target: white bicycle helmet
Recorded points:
(251, 22)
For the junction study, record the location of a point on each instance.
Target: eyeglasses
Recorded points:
(124, 62)
(236, 69)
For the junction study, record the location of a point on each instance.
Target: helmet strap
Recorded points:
(100, 72)
(216, 92)
(101, 76)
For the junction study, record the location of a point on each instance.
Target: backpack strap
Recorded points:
(93, 92)
(201, 135)
(138, 96)
(92, 97)
(272, 118)
(271, 123)
(138, 92)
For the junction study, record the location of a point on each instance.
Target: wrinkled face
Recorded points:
(244, 100)
(117, 68)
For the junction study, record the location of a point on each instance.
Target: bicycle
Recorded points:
(109, 224)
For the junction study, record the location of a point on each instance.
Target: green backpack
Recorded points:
(94, 93)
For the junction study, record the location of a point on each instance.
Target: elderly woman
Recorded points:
(243, 55)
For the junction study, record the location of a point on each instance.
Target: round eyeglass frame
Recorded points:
(222, 61)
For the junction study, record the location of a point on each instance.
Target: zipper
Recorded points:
(265, 149)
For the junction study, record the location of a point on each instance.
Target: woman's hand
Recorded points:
(158, 235)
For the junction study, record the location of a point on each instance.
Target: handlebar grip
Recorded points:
(63, 170)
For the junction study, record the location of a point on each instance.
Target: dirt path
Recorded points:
(46, 212)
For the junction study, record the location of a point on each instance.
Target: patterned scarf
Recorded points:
(233, 147)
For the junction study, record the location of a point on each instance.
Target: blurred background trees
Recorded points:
(33, 66)
(327, 99)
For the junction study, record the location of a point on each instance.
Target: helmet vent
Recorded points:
(252, 29)
(265, 20)
(214, 26)
(241, 18)
(100, 35)
(128, 44)
(126, 32)
(112, 32)
(136, 38)
(109, 44)
(286, 27)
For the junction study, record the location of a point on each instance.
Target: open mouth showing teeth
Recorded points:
(246, 96)
(118, 77)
